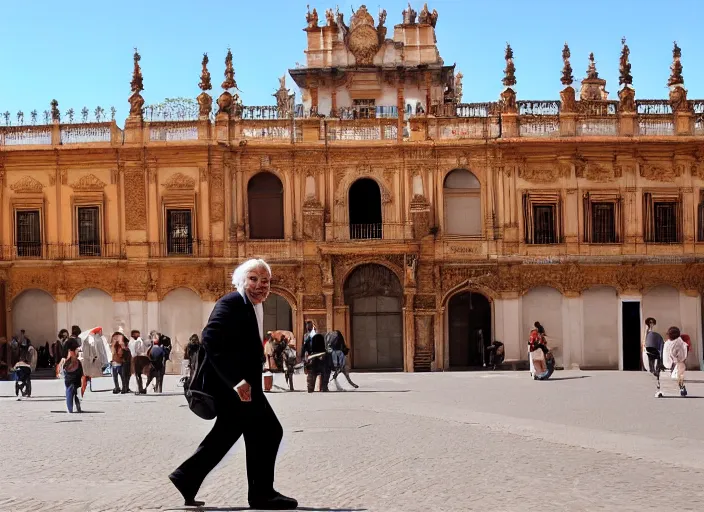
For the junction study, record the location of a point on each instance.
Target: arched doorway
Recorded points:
(180, 316)
(375, 296)
(277, 314)
(469, 329)
(92, 308)
(35, 311)
(365, 209)
(462, 203)
(265, 197)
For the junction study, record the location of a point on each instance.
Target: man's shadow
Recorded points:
(238, 509)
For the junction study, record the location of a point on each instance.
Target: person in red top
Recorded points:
(687, 341)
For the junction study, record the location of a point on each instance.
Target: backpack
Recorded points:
(201, 403)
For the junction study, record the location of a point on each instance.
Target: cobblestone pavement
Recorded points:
(401, 442)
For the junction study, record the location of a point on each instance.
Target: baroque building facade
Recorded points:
(418, 225)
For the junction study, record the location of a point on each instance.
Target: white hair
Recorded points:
(239, 276)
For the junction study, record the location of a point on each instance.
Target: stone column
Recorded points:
(400, 102)
(409, 328)
(239, 194)
(571, 220)
(509, 126)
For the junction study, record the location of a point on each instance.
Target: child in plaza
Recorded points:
(674, 357)
(73, 376)
(653, 345)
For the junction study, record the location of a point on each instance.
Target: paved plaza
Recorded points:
(401, 442)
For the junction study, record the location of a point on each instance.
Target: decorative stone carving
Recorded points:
(326, 269)
(27, 185)
(311, 18)
(663, 173)
(363, 39)
(424, 301)
(135, 100)
(567, 100)
(536, 173)
(136, 198)
(593, 87)
(205, 101)
(428, 18)
(627, 100)
(411, 260)
(88, 183)
(424, 333)
(217, 197)
(179, 181)
(409, 15)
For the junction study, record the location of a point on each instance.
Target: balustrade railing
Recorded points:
(272, 249)
(372, 231)
(539, 126)
(51, 251)
(270, 130)
(653, 107)
(173, 131)
(538, 108)
(25, 135)
(183, 248)
(594, 126)
(656, 125)
(83, 133)
(466, 110)
(597, 108)
(359, 129)
(370, 112)
(469, 128)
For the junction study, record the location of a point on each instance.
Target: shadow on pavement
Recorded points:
(570, 378)
(83, 412)
(237, 509)
(684, 397)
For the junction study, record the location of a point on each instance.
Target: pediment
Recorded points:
(27, 185)
(88, 183)
(179, 181)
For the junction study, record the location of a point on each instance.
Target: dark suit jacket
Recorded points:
(231, 340)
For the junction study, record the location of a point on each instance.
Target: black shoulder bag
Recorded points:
(201, 403)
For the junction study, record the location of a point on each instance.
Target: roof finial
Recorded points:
(136, 83)
(624, 68)
(567, 77)
(510, 71)
(676, 77)
(229, 82)
(205, 84)
(591, 69)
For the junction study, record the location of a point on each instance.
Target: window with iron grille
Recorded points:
(603, 223)
(28, 233)
(665, 215)
(544, 224)
(179, 234)
(662, 218)
(88, 224)
(365, 109)
(542, 217)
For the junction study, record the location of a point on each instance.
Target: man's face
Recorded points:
(135, 335)
(257, 285)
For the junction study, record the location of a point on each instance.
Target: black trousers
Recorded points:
(157, 373)
(262, 432)
(126, 374)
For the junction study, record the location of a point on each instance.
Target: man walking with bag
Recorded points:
(233, 342)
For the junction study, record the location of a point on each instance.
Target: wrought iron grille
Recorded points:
(665, 216)
(89, 231)
(700, 222)
(179, 232)
(544, 225)
(29, 238)
(365, 231)
(603, 223)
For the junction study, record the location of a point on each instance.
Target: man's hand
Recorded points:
(244, 391)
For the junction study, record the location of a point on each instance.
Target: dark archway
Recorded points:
(375, 297)
(265, 197)
(469, 329)
(365, 209)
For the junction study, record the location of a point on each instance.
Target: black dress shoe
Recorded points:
(189, 500)
(273, 501)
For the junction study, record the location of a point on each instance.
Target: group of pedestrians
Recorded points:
(668, 355)
(325, 357)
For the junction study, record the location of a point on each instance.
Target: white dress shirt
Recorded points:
(259, 312)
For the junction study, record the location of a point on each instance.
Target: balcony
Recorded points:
(341, 130)
(171, 131)
(387, 231)
(180, 248)
(270, 249)
(75, 251)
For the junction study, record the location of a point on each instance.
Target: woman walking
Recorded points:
(674, 356)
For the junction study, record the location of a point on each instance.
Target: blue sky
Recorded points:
(81, 53)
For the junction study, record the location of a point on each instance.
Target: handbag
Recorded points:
(199, 401)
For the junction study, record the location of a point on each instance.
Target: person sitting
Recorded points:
(23, 377)
(495, 353)
(537, 343)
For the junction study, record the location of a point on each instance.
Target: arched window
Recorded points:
(365, 209)
(463, 208)
(265, 196)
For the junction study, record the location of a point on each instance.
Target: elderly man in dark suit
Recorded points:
(233, 341)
